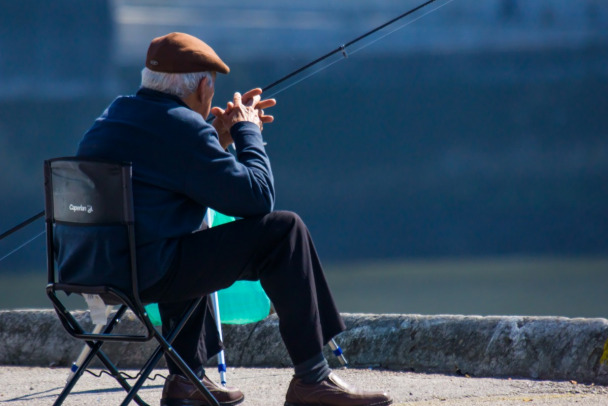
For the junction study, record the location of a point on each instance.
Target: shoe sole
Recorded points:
(188, 402)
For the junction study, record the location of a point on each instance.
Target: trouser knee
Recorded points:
(286, 244)
(284, 222)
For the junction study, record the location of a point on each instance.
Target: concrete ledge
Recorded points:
(553, 348)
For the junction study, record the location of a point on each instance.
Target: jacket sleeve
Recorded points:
(241, 186)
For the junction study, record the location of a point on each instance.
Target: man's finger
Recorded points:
(251, 93)
(267, 119)
(267, 103)
(253, 102)
(229, 107)
(237, 99)
(216, 111)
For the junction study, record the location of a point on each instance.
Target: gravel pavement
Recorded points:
(267, 386)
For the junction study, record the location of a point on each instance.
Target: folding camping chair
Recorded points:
(90, 193)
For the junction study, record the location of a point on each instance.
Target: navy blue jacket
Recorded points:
(179, 169)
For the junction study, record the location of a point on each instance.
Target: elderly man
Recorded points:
(180, 168)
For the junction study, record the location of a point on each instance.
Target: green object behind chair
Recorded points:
(153, 314)
(243, 302)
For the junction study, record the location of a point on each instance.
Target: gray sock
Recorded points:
(200, 372)
(313, 370)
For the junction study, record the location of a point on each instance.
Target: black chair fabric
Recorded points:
(86, 192)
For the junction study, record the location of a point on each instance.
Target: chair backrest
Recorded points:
(81, 194)
(88, 192)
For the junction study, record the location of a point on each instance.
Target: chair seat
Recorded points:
(108, 294)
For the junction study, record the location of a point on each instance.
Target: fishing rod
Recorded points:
(341, 49)
(22, 224)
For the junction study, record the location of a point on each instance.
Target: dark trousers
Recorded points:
(275, 249)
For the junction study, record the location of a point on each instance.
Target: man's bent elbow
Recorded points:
(267, 205)
(266, 198)
(258, 206)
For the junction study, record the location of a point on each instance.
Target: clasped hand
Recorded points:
(248, 107)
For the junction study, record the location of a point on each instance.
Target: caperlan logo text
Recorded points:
(76, 208)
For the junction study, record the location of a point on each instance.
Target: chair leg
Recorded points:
(119, 378)
(76, 376)
(175, 357)
(192, 377)
(132, 394)
(144, 373)
(95, 351)
(86, 349)
(165, 346)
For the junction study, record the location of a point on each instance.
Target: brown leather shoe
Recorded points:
(333, 391)
(179, 391)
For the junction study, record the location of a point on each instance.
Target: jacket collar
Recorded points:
(146, 92)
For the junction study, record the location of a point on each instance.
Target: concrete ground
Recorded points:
(267, 386)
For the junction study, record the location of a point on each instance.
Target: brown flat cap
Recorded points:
(182, 53)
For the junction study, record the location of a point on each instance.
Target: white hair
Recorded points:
(177, 84)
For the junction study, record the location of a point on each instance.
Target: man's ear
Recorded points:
(200, 89)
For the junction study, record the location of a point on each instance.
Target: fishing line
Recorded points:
(22, 245)
(400, 27)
